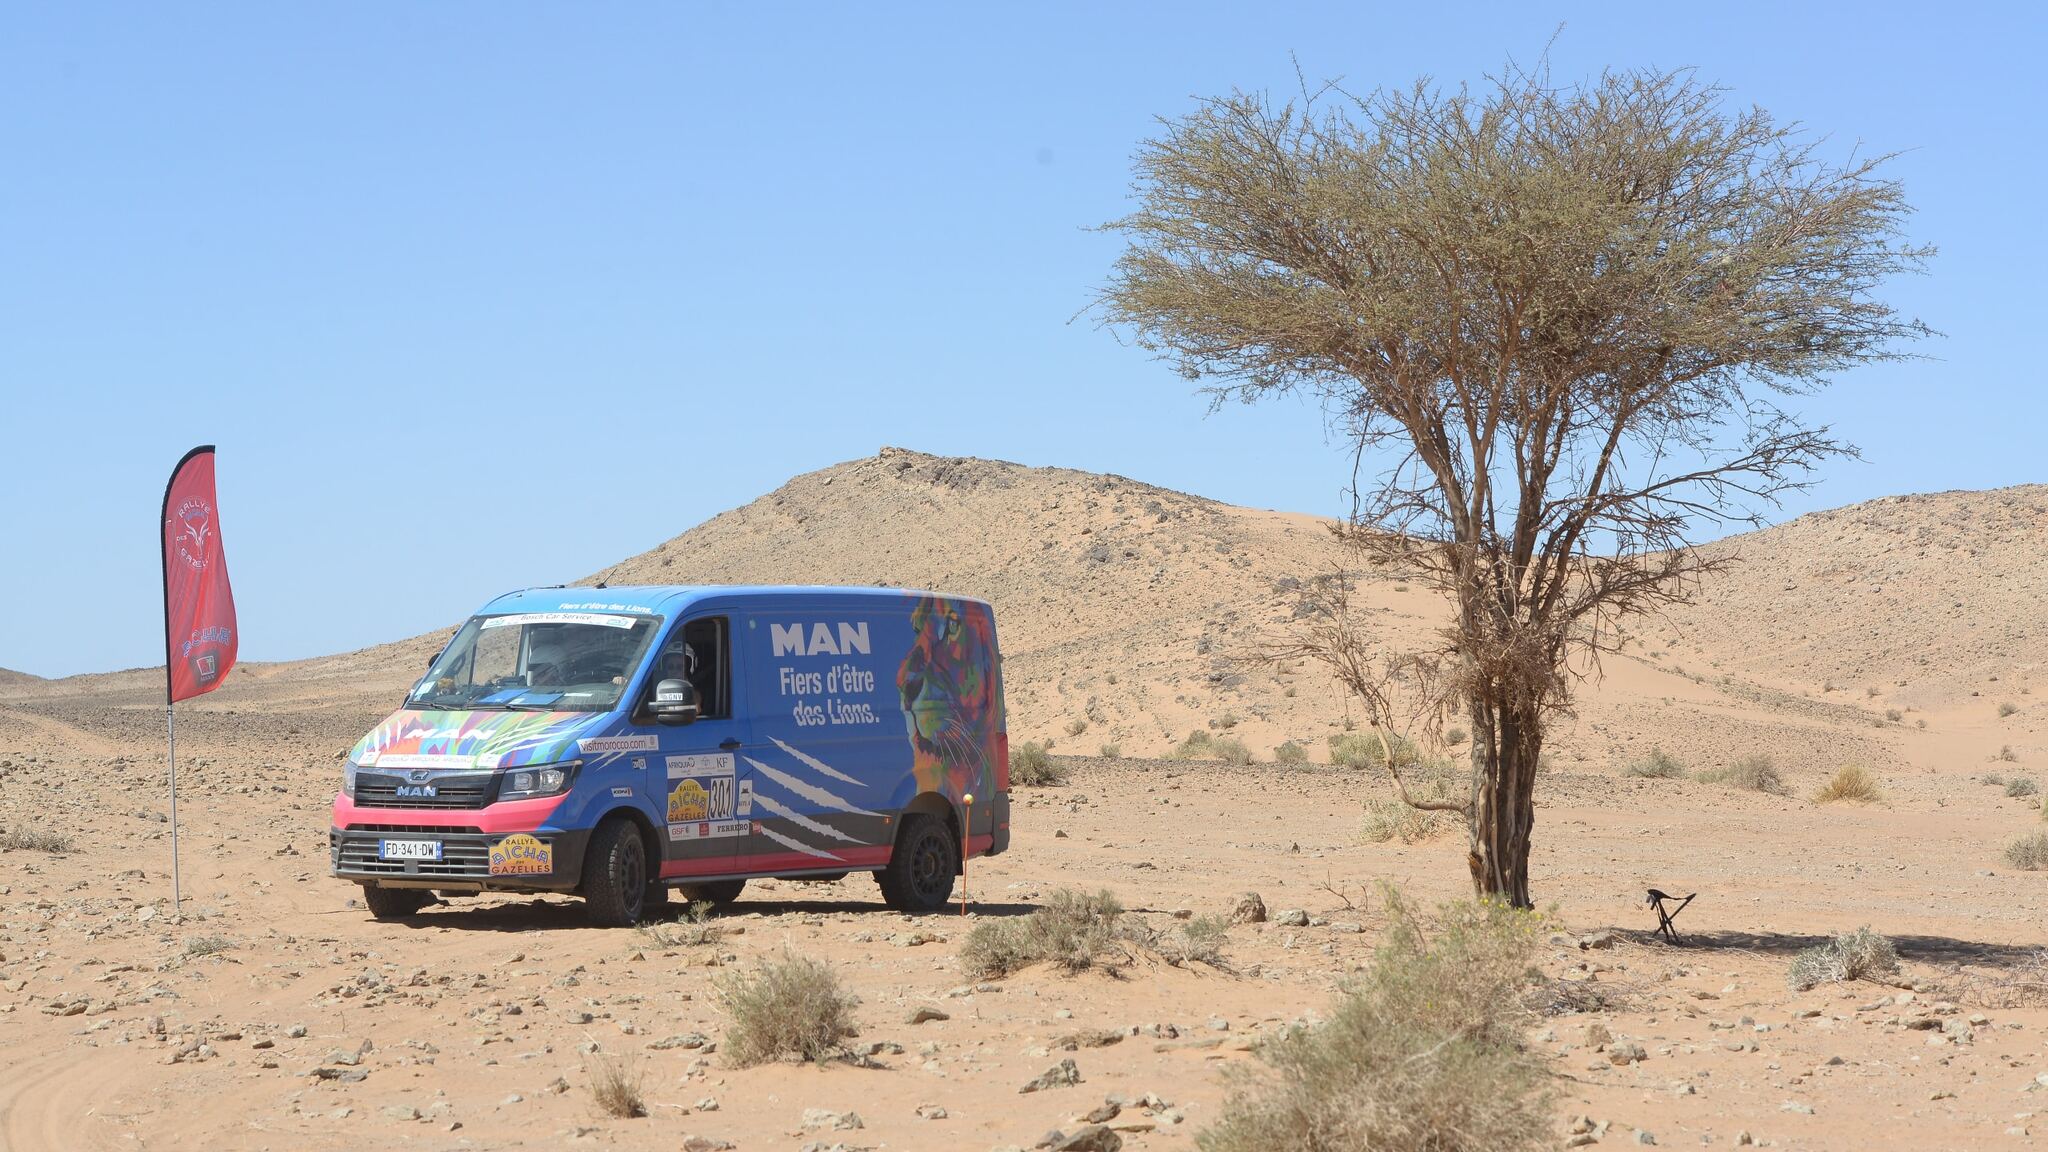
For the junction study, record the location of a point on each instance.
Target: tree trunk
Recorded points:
(1507, 738)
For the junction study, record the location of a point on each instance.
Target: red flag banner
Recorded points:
(199, 607)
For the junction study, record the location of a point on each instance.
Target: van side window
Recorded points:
(698, 653)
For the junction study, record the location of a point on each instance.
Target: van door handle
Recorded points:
(728, 744)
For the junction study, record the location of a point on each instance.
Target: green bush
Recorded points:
(1290, 753)
(788, 1007)
(2022, 786)
(1421, 1052)
(1751, 773)
(1032, 767)
(1658, 765)
(1857, 955)
(1070, 929)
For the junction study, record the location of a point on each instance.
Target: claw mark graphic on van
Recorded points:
(786, 842)
(802, 821)
(814, 763)
(948, 686)
(811, 792)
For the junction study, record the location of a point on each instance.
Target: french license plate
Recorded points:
(409, 849)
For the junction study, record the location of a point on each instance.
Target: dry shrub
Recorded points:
(1858, 955)
(1853, 783)
(1196, 941)
(1076, 726)
(1367, 750)
(1290, 753)
(1112, 752)
(1070, 929)
(788, 1007)
(615, 1086)
(1032, 767)
(207, 945)
(2029, 853)
(1201, 746)
(33, 840)
(1388, 817)
(1751, 774)
(1658, 765)
(2022, 985)
(1423, 1051)
(2007, 709)
(688, 932)
(2022, 786)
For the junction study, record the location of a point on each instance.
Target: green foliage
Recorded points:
(1032, 767)
(1290, 753)
(1070, 930)
(1751, 774)
(792, 1006)
(1421, 1052)
(1658, 765)
(1858, 955)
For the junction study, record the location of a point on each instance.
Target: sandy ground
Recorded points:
(118, 1029)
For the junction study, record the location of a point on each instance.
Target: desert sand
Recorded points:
(1891, 635)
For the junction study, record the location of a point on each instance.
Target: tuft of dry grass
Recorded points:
(793, 1006)
(1071, 929)
(2020, 786)
(207, 945)
(1853, 783)
(33, 840)
(2029, 853)
(2007, 709)
(1858, 955)
(1422, 1051)
(1032, 767)
(1290, 753)
(1658, 765)
(615, 1086)
(1751, 774)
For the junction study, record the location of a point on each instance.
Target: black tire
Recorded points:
(395, 903)
(919, 875)
(718, 893)
(615, 875)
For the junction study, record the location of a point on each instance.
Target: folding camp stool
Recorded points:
(1666, 915)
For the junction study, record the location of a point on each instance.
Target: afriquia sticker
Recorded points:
(701, 797)
(522, 855)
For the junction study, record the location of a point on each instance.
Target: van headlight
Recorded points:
(537, 780)
(348, 778)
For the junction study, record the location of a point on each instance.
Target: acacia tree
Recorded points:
(1557, 325)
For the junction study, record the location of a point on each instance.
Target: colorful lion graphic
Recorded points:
(948, 686)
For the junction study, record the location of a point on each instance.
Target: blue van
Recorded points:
(622, 742)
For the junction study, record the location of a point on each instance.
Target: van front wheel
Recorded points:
(615, 875)
(920, 872)
(394, 903)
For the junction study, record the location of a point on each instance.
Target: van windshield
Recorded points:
(537, 661)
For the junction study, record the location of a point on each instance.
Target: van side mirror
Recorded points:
(674, 703)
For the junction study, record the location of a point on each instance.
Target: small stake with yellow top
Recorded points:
(967, 799)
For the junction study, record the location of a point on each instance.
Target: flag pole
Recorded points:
(171, 744)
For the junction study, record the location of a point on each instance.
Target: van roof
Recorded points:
(663, 599)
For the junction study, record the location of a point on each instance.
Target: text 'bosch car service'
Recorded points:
(617, 742)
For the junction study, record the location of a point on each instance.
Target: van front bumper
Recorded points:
(354, 853)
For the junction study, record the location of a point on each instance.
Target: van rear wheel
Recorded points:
(395, 903)
(919, 875)
(615, 875)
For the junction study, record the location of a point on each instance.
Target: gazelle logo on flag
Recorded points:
(199, 607)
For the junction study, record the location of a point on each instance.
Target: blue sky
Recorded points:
(474, 296)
